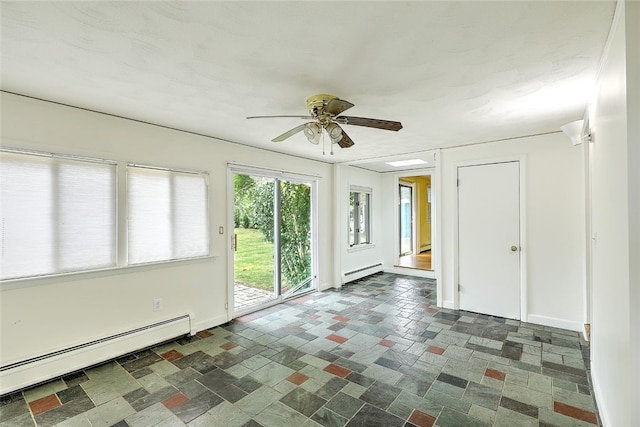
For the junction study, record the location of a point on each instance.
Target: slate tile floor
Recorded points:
(376, 353)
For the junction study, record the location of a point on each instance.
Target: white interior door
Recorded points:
(489, 239)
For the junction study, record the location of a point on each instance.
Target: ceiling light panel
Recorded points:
(410, 162)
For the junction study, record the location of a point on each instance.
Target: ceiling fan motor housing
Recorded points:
(316, 103)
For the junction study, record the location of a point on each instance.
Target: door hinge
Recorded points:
(459, 287)
(457, 183)
(226, 306)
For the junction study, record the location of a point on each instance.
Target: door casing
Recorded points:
(523, 236)
(412, 213)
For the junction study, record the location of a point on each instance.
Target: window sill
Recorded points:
(25, 282)
(359, 248)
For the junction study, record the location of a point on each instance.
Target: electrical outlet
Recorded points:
(157, 304)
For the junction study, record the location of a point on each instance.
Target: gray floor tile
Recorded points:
(277, 415)
(327, 418)
(217, 380)
(371, 416)
(14, 408)
(450, 418)
(197, 406)
(238, 376)
(481, 395)
(255, 402)
(331, 387)
(24, 420)
(344, 405)
(302, 401)
(380, 395)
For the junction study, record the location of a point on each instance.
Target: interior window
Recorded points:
(359, 216)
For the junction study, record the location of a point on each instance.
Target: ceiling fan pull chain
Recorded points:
(323, 153)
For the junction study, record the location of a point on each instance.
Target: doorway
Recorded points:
(406, 219)
(415, 222)
(489, 239)
(272, 240)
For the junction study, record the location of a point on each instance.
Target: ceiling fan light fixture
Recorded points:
(335, 132)
(312, 131)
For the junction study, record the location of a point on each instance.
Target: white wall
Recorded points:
(632, 18)
(349, 259)
(614, 120)
(47, 314)
(554, 224)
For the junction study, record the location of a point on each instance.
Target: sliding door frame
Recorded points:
(312, 181)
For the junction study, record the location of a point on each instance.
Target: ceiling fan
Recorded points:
(324, 113)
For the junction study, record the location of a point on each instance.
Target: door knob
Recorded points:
(514, 248)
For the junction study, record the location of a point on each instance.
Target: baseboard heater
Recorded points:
(359, 273)
(24, 373)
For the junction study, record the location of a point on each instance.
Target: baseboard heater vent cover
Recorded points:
(359, 273)
(24, 373)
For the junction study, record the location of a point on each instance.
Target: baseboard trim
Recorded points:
(326, 285)
(40, 368)
(448, 304)
(207, 324)
(602, 410)
(411, 272)
(359, 273)
(555, 322)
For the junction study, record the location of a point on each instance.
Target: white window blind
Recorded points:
(58, 214)
(167, 214)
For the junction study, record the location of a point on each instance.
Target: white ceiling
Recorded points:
(453, 73)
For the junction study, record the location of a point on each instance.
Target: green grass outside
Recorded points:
(253, 259)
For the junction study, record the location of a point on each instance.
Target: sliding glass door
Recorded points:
(295, 237)
(272, 244)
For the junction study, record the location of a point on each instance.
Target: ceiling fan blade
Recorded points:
(345, 142)
(270, 117)
(337, 106)
(290, 133)
(372, 123)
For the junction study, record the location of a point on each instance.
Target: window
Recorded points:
(359, 216)
(58, 214)
(167, 214)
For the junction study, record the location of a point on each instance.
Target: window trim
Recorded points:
(23, 282)
(58, 155)
(357, 190)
